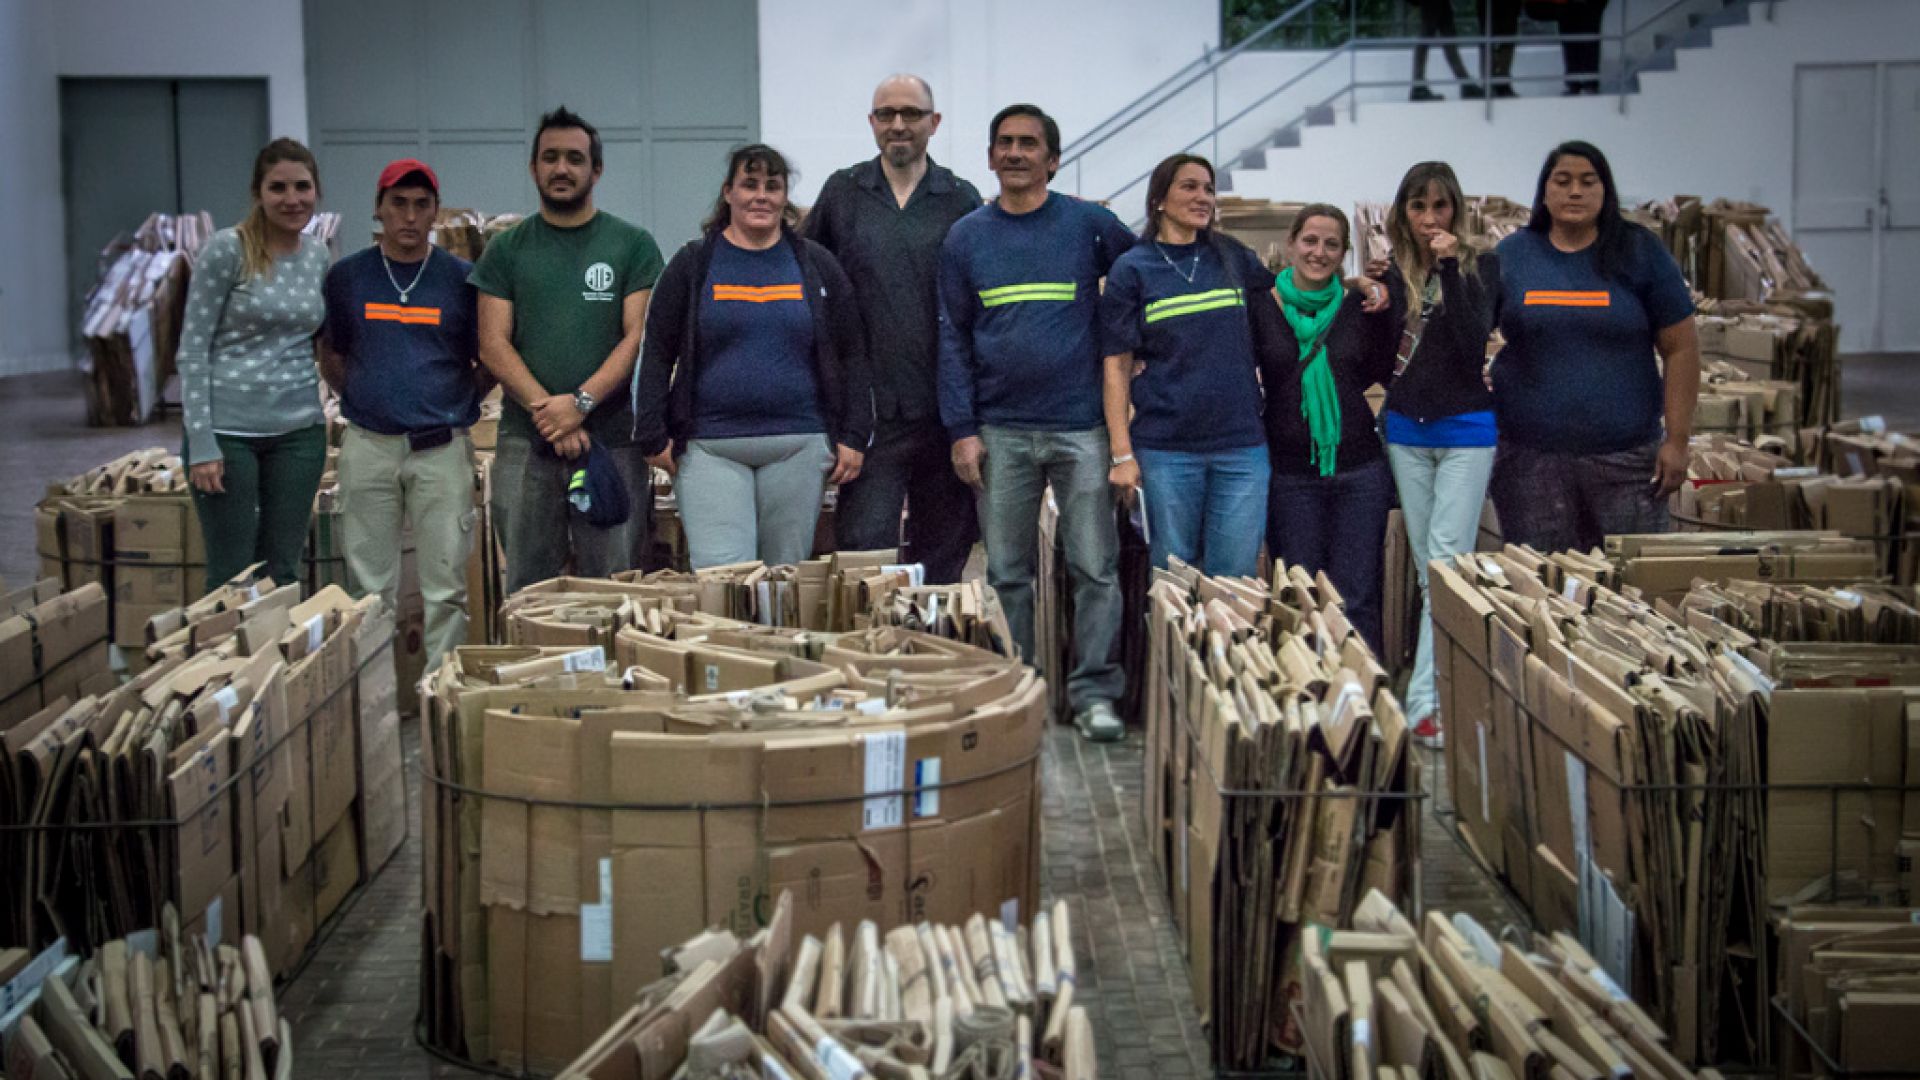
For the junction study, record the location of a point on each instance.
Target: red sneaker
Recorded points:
(1427, 732)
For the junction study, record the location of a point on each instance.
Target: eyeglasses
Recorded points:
(911, 116)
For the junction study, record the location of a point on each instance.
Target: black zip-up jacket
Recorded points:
(1443, 378)
(670, 357)
(1360, 350)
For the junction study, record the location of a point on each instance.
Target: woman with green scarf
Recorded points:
(1331, 489)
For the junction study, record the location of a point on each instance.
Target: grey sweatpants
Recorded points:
(752, 498)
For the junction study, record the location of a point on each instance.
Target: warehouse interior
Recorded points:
(689, 817)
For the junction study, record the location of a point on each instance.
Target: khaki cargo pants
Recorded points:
(384, 483)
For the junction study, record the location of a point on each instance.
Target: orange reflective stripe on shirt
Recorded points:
(1557, 298)
(758, 294)
(413, 316)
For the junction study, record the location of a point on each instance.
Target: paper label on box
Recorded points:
(1873, 425)
(1486, 805)
(589, 659)
(35, 973)
(1849, 596)
(253, 592)
(1362, 1033)
(596, 921)
(214, 911)
(1571, 590)
(872, 706)
(316, 632)
(836, 1060)
(1577, 808)
(713, 677)
(144, 941)
(1350, 695)
(772, 1068)
(916, 573)
(926, 773)
(886, 771)
(228, 699)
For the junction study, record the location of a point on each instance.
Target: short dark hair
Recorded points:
(753, 157)
(564, 117)
(416, 178)
(1615, 244)
(1162, 182)
(1023, 109)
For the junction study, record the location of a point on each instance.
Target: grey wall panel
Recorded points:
(671, 85)
(222, 125)
(590, 56)
(348, 172)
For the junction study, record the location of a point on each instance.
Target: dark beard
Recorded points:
(565, 206)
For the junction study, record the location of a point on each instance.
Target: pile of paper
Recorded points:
(465, 232)
(1862, 613)
(154, 1004)
(133, 313)
(248, 776)
(1453, 1001)
(638, 766)
(1611, 754)
(1279, 788)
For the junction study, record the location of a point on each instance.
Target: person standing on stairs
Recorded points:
(1582, 18)
(1498, 19)
(1020, 395)
(1331, 491)
(1436, 21)
(1438, 419)
(884, 220)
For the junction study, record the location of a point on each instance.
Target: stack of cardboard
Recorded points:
(1279, 788)
(1850, 991)
(53, 647)
(590, 805)
(1663, 566)
(925, 1000)
(248, 776)
(1649, 777)
(1451, 1001)
(1793, 341)
(465, 232)
(1261, 225)
(1734, 403)
(133, 315)
(1864, 613)
(155, 1004)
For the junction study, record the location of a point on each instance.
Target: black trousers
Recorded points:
(1499, 18)
(910, 465)
(1436, 21)
(1582, 57)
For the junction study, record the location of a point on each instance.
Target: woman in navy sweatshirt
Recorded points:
(772, 397)
(1331, 492)
(1438, 420)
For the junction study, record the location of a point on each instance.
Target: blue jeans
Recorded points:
(1020, 465)
(1442, 491)
(1337, 524)
(1206, 509)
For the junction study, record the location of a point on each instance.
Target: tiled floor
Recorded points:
(353, 1005)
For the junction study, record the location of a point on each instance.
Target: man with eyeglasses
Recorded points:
(884, 219)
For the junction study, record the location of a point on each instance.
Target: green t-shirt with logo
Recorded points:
(567, 287)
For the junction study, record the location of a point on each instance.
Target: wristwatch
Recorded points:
(1121, 460)
(583, 401)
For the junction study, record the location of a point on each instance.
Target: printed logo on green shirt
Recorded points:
(600, 282)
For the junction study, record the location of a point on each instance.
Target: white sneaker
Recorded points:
(1099, 723)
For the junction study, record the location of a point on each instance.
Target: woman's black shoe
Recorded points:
(1421, 93)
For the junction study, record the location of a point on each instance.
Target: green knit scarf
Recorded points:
(1310, 314)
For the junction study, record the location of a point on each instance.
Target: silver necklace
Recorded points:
(1175, 267)
(417, 274)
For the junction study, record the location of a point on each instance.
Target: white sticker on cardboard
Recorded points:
(31, 976)
(316, 632)
(916, 572)
(1362, 1033)
(1571, 590)
(214, 911)
(713, 677)
(253, 592)
(872, 706)
(1486, 805)
(926, 774)
(144, 941)
(771, 1066)
(1873, 425)
(589, 659)
(1577, 808)
(227, 699)
(1010, 915)
(836, 1060)
(1753, 671)
(1849, 596)
(886, 771)
(596, 921)
(1350, 695)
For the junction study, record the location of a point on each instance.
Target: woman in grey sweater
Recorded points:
(249, 388)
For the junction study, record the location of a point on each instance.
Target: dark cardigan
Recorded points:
(1360, 350)
(1444, 376)
(671, 356)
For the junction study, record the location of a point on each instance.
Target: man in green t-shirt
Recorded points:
(563, 297)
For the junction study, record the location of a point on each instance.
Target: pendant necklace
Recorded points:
(417, 274)
(1187, 275)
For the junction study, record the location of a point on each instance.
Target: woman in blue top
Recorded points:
(1586, 301)
(1438, 419)
(1180, 356)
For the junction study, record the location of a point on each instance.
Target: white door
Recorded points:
(1856, 196)
(1900, 209)
(1836, 189)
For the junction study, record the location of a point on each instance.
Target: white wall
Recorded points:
(44, 40)
(1079, 60)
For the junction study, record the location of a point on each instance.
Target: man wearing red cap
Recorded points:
(400, 346)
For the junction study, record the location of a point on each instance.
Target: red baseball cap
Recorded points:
(398, 170)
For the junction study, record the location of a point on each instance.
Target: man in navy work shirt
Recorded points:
(399, 346)
(884, 220)
(1020, 371)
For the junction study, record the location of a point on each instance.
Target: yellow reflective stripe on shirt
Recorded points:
(1032, 290)
(1194, 303)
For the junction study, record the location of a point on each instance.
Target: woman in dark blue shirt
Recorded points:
(1180, 359)
(1586, 301)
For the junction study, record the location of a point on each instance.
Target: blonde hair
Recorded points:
(1408, 250)
(254, 256)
